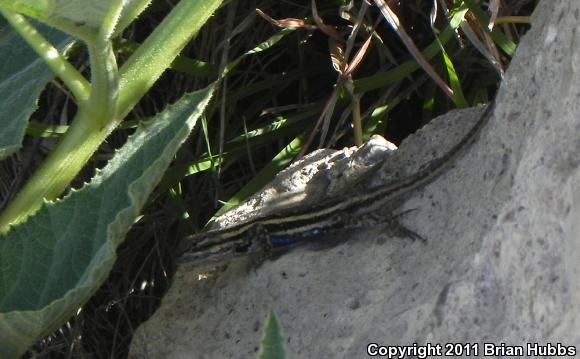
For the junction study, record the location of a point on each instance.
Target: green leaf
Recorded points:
(77, 17)
(54, 262)
(273, 344)
(131, 10)
(32, 8)
(23, 76)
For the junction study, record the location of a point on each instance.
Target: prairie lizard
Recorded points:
(272, 232)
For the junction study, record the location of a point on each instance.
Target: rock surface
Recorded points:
(502, 259)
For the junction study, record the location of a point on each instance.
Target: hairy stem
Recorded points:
(112, 95)
(94, 121)
(75, 82)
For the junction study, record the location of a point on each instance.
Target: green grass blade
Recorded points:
(508, 46)
(279, 162)
(397, 74)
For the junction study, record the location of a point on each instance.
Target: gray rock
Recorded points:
(502, 259)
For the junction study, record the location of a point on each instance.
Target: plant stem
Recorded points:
(156, 54)
(90, 127)
(104, 83)
(111, 20)
(104, 109)
(75, 82)
(93, 123)
(56, 172)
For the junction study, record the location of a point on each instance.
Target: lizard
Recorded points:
(279, 230)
